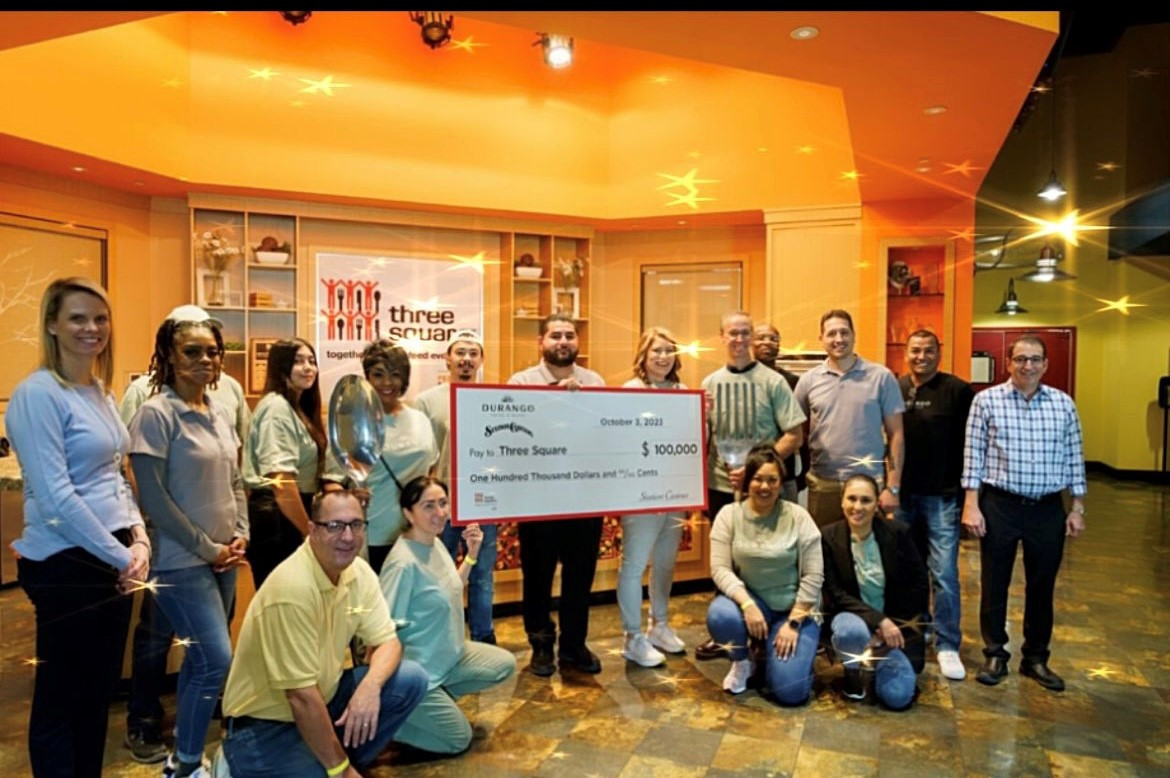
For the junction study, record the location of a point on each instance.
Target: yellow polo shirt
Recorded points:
(297, 631)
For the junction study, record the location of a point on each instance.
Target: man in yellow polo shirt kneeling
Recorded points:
(290, 707)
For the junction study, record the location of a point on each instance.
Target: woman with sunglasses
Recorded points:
(183, 452)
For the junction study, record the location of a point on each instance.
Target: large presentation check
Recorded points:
(524, 452)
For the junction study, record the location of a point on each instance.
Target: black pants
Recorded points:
(152, 644)
(574, 543)
(82, 622)
(274, 537)
(715, 502)
(1040, 526)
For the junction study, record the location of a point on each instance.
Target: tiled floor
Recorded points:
(1111, 646)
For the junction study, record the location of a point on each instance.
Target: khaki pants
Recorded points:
(824, 498)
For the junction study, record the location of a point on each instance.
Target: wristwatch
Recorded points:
(795, 623)
(895, 490)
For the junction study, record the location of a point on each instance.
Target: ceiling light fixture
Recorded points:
(435, 31)
(1053, 190)
(558, 50)
(1046, 269)
(805, 33)
(934, 110)
(1011, 304)
(296, 17)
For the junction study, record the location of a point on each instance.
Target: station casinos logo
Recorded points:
(507, 408)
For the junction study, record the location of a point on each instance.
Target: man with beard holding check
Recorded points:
(572, 542)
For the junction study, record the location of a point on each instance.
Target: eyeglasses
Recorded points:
(194, 352)
(911, 396)
(1033, 360)
(356, 526)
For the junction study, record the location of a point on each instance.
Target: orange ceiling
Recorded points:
(663, 115)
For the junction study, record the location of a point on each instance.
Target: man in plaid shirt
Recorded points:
(1023, 449)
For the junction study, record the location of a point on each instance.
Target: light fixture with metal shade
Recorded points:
(1053, 190)
(436, 31)
(295, 17)
(558, 49)
(1011, 304)
(1046, 269)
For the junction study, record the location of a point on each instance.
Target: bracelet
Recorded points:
(743, 606)
(470, 560)
(141, 542)
(339, 769)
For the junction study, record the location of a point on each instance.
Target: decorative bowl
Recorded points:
(529, 272)
(272, 257)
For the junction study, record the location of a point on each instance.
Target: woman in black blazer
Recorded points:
(875, 592)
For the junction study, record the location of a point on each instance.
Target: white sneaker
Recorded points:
(737, 677)
(639, 651)
(662, 637)
(951, 665)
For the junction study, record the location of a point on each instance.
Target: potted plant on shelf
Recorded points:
(218, 252)
(272, 251)
(526, 267)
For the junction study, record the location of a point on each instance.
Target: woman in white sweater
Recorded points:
(766, 561)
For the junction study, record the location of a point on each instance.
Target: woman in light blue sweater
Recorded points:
(84, 546)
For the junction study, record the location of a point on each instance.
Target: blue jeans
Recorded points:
(196, 600)
(644, 537)
(941, 516)
(894, 677)
(790, 680)
(263, 747)
(481, 582)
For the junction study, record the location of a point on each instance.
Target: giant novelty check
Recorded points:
(521, 452)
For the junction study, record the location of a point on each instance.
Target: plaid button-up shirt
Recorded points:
(1027, 447)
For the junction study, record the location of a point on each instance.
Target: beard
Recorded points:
(560, 356)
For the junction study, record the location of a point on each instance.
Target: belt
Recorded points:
(1021, 499)
(233, 723)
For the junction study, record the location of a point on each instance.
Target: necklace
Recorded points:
(96, 397)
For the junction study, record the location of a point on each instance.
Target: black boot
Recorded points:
(543, 662)
(853, 683)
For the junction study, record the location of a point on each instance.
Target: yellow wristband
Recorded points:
(470, 560)
(743, 606)
(341, 768)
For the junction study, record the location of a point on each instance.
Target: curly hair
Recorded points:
(162, 369)
(391, 357)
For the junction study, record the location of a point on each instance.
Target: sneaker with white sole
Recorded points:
(737, 677)
(639, 651)
(171, 768)
(663, 638)
(951, 665)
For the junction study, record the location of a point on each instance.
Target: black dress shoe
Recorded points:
(709, 649)
(1039, 672)
(581, 659)
(994, 670)
(543, 663)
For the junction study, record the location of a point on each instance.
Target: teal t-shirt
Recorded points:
(871, 576)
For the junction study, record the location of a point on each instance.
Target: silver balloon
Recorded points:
(356, 427)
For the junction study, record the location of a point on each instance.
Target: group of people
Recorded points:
(220, 490)
(322, 676)
(922, 449)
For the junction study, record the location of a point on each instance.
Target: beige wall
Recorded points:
(618, 258)
(148, 266)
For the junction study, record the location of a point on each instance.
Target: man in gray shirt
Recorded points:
(572, 542)
(850, 402)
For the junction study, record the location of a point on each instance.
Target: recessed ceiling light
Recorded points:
(805, 33)
(78, 169)
(682, 221)
(923, 165)
(934, 110)
(139, 183)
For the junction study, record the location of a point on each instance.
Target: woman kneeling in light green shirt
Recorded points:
(425, 593)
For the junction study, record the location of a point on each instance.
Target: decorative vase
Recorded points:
(214, 288)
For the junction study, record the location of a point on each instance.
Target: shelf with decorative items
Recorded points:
(245, 274)
(918, 295)
(545, 275)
